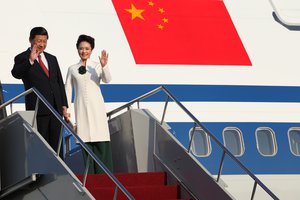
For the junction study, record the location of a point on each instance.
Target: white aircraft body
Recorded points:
(240, 76)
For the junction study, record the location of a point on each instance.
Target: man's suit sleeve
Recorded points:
(21, 66)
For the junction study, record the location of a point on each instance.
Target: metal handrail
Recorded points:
(197, 122)
(67, 126)
(138, 99)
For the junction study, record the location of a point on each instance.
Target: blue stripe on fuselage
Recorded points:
(192, 93)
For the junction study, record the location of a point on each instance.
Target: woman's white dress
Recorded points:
(89, 108)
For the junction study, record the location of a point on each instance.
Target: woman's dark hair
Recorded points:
(85, 38)
(38, 31)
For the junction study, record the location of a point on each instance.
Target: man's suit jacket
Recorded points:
(52, 87)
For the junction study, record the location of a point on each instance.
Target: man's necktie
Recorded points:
(43, 65)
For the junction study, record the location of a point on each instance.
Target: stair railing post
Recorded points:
(35, 111)
(67, 145)
(11, 108)
(3, 113)
(254, 189)
(116, 193)
(221, 166)
(60, 141)
(192, 137)
(165, 109)
(86, 169)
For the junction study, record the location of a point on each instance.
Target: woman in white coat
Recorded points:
(90, 114)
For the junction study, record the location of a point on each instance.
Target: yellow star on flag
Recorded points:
(135, 13)
(161, 27)
(150, 3)
(161, 10)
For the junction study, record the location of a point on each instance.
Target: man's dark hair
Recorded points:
(85, 38)
(38, 31)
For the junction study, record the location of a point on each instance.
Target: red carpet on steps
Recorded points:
(142, 186)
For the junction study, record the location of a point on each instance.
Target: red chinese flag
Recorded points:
(193, 32)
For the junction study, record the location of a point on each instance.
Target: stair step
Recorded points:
(138, 192)
(127, 179)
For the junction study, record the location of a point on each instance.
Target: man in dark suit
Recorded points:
(39, 69)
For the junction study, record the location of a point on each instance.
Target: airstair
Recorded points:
(141, 144)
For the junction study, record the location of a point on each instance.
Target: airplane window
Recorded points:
(201, 146)
(287, 13)
(233, 141)
(266, 141)
(294, 140)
